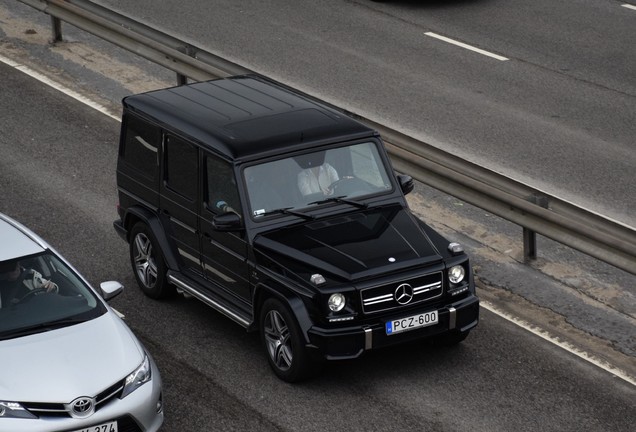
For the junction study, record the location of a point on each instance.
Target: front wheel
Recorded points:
(148, 263)
(283, 343)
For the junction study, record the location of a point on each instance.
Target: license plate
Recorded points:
(411, 323)
(105, 427)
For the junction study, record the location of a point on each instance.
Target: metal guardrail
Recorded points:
(532, 209)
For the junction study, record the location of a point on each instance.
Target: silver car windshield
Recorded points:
(344, 174)
(41, 293)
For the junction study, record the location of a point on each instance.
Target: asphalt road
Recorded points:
(57, 176)
(558, 114)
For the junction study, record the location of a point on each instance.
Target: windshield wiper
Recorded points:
(287, 211)
(341, 199)
(40, 328)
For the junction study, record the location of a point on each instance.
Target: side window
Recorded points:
(181, 167)
(140, 146)
(222, 193)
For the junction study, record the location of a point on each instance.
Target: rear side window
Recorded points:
(181, 167)
(141, 145)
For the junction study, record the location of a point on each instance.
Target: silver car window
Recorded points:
(47, 294)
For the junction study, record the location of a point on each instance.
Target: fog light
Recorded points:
(336, 302)
(160, 403)
(456, 274)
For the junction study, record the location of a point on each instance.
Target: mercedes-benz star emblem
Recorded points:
(403, 294)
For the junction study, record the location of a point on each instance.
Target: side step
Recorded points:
(214, 301)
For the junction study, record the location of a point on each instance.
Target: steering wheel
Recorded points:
(33, 292)
(347, 185)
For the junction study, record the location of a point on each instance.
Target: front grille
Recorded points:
(109, 394)
(42, 409)
(46, 409)
(383, 297)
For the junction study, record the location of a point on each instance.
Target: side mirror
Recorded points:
(227, 222)
(110, 289)
(406, 183)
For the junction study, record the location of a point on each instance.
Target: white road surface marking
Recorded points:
(466, 46)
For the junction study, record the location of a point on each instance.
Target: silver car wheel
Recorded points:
(277, 340)
(145, 265)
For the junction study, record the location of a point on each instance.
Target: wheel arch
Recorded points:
(137, 214)
(289, 298)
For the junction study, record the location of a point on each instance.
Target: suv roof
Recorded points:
(17, 240)
(244, 116)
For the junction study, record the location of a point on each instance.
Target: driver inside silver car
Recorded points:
(16, 282)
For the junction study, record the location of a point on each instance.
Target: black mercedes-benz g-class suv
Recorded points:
(284, 214)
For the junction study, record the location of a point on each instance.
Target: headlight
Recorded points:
(336, 302)
(456, 274)
(136, 379)
(14, 410)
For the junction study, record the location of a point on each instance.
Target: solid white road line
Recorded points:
(42, 78)
(629, 6)
(466, 46)
(544, 334)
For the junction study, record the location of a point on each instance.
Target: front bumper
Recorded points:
(140, 411)
(352, 341)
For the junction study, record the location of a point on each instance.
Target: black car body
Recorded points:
(284, 214)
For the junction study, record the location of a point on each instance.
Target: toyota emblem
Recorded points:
(403, 294)
(82, 407)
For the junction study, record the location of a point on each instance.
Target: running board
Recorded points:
(217, 304)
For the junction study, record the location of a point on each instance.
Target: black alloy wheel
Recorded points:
(283, 343)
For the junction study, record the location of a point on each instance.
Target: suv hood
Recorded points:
(354, 245)
(61, 365)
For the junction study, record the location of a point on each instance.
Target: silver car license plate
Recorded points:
(411, 323)
(105, 427)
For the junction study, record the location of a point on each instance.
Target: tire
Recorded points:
(148, 264)
(283, 343)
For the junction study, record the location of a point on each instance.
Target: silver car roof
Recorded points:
(17, 241)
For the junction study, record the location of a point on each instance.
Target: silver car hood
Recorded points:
(63, 364)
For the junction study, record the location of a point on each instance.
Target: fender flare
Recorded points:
(292, 300)
(152, 221)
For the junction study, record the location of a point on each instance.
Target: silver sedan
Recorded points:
(68, 361)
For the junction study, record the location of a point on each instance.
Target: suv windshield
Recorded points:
(310, 179)
(40, 293)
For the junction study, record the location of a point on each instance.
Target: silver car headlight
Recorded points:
(139, 377)
(336, 302)
(456, 274)
(14, 410)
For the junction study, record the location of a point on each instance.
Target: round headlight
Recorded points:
(336, 302)
(456, 274)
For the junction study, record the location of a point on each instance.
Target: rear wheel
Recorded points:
(283, 343)
(148, 263)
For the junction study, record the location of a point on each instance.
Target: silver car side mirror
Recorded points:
(110, 289)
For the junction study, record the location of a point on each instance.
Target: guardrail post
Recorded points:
(56, 24)
(529, 244)
(529, 236)
(189, 51)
